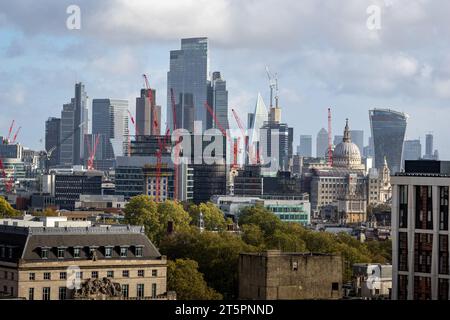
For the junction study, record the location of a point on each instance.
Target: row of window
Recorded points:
(6, 252)
(107, 251)
(94, 274)
(62, 292)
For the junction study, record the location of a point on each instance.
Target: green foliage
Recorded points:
(213, 217)
(184, 278)
(217, 254)
(6, 211)
(142, 210)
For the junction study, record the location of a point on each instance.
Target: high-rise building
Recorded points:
(388, 132)
(321, 143)
(420, 231)
(358, 138)
(145, 113)
(429, 145)
(305, 147)
(80, 120)
(110, 121)
(218, 100)
(412, 150)
(281, 134)
(66, 157)
(52, 138)
(188, 78)
(257, 120)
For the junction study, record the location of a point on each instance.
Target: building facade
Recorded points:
(321, 143)
(52, 139)
(305, 146)
(148, 114)
(218, 100)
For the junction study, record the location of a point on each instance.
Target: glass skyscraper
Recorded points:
(218, 100)
(388, 132)
(188, 78)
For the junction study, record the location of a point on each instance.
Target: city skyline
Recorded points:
(316, 70)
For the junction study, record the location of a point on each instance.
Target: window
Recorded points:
(61, 252)
(10, 252)
(62, 276)
(140, 273)
(47, 276)
(110, 274)
(335, 286)
(32, 276)
(123, 252)
(108, 252)
(153, 290)
(125, 289)
(125, 273)
(94, 275)
(31, 294)
(2, 252)
(62, 293)
(76, 252)
(46, 293)
(44, 253)
(140, 291)
(138, 251)
(154, 273)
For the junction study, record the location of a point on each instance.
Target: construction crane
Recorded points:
(273, 85)
(10, 131)
(244, 135)
(92, 151)
(330, 151)
(15, 135)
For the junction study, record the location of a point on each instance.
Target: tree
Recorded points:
(6, 211)
(263, 218)
(213, 217)
(155, 217)
(253, 235)
(184, 278)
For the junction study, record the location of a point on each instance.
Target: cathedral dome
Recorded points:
(346, 154)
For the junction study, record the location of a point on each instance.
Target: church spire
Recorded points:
(346, 132)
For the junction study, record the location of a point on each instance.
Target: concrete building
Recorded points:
(305, 146)
(52, 139)
(321, 143)
(275, 275)
(89, 201)
(148, 114)
(388, 132)
(420, 231)
(188, 78)
(70, 262)
(372, 281)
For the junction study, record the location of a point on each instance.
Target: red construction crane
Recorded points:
(10, 131)
(92, 152)
(330, 151)
(15, 135)
(245, 136)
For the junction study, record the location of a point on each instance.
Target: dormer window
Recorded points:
(61, 252)
(2, 252)
(138, 251)
(108, 252)
(76, 252)
(44, 253)
(123, 252)
(10, 252)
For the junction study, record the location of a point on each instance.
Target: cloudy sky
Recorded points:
(323, 51)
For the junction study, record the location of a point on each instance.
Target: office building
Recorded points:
(66, 157)
(358, 138)
(388, 132)
(218, 101)
(305, 147)
(52, 139)
(208, 180)
(188, 78)
(148, 114)
(80, 122)
(429, 151)
(276, 275)
(420, 231)
(68, 260)
(322, 143)
(412, 150)
(259, 117)
(276, 141)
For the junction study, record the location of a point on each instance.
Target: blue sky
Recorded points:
(322, 51)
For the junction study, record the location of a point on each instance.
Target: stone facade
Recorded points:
(274, 275)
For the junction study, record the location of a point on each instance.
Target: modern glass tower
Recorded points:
(305, 147)
(66, 157)
(388, 132)
(322, 143)
(80, 104)
(52, 139)
(110, 121)
(218, 100)
(188, 78)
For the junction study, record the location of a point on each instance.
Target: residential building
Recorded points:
(66, 261)
(388, 132)
(420, 231)
(276, 275)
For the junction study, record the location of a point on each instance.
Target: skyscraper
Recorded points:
(388, 132)
(66, 155)
(279, 133)
(358, 138)
(321, 143)
(188, 78)
(305, 147)
(429, 145)
(52, 138)
(412, 150)
(218, 100)
(80, 120)
(110, 121)
(145, 123)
